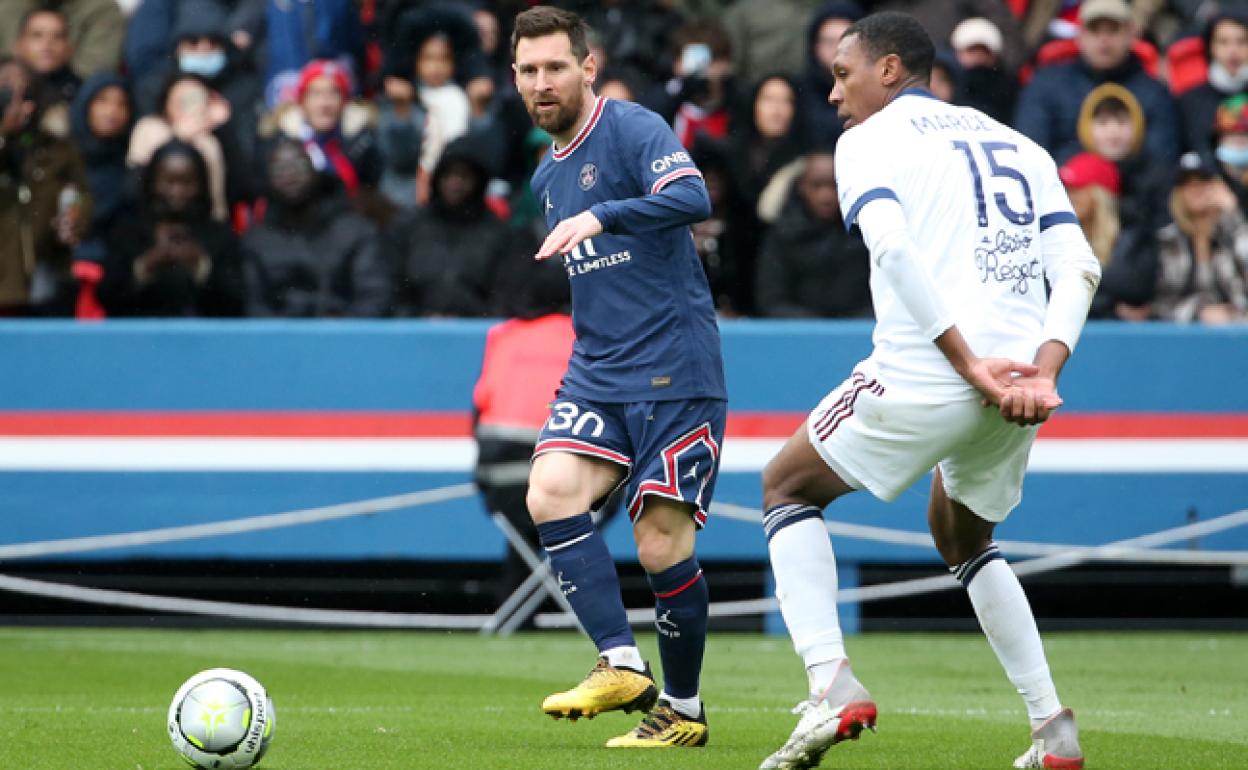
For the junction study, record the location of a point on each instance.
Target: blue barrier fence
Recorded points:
(1150, 388)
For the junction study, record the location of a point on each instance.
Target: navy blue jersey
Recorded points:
(642, 310)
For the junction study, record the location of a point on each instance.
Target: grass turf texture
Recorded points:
(91, 698)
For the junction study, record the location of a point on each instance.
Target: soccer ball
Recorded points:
(221, 718)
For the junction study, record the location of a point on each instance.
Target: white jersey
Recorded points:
(977, 196)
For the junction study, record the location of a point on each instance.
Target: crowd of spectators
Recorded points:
(370, 158)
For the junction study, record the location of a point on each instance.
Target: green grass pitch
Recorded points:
(95, 699)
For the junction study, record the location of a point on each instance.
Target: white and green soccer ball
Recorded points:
(221, 719)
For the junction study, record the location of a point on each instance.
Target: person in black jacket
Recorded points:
(446, 254)
(166, 255)
(1226, 46)
(809, 265)
(100, 120)
(312, 256)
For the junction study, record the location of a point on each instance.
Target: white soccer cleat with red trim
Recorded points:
(1054, 745)
(841, 714)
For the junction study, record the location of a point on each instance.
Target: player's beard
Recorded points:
(564, 116)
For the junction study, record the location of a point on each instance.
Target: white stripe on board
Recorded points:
(740, 455)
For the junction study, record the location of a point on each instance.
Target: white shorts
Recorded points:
(883, 442)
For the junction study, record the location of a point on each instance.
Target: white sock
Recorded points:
(805, 570)
(1005, 616)
(625, 657)
(690, 707)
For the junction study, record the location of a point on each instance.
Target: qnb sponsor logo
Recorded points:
(662, 164)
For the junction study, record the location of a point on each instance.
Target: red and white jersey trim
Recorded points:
(581, 135)
(582, 448)
(662, 181)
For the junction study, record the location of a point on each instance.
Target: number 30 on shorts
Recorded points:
(567, 416)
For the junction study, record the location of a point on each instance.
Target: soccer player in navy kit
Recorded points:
(643, 401)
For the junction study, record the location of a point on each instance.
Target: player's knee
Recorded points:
(778, 484)
(657, 551)
(551, 497)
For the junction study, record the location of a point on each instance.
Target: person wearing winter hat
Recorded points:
(1202, 256)
(1112, 125)
(1048, 108)
(202, 48)
(1230, 136)
(986, 84)
(822, 37)
(1094, 184)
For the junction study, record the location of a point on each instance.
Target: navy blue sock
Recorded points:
(579, 559)
(680, 613)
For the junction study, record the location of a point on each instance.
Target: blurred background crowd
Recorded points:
(370, 158)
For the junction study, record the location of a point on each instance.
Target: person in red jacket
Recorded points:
(525, 358)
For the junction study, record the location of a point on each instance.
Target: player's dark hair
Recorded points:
(893, 32)
(543, 20)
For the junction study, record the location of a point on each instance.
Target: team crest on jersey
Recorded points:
(588, 176)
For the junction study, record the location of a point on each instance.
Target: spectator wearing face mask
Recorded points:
(150, 29)
(1226, 45)
(45, 203)
(1231, 133)
(201, 46)
(985, 84)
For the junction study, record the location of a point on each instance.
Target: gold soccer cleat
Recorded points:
(662, 728)
(605, 688)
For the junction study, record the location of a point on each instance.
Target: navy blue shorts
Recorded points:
(668, 448)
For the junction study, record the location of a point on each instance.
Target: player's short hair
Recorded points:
(893, 32)
(543, 20)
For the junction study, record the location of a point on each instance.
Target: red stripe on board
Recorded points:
(1145, 425)
(238, 424)
(1070, 425)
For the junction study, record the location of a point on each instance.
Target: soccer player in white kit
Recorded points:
(965, 219)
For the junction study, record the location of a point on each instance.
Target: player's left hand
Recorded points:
(568, 233)
(1030, 400)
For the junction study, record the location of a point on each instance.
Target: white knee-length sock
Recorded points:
(805, 571)
(1005, 616)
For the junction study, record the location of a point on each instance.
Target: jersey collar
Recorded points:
(916, 91)
(583, 134)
